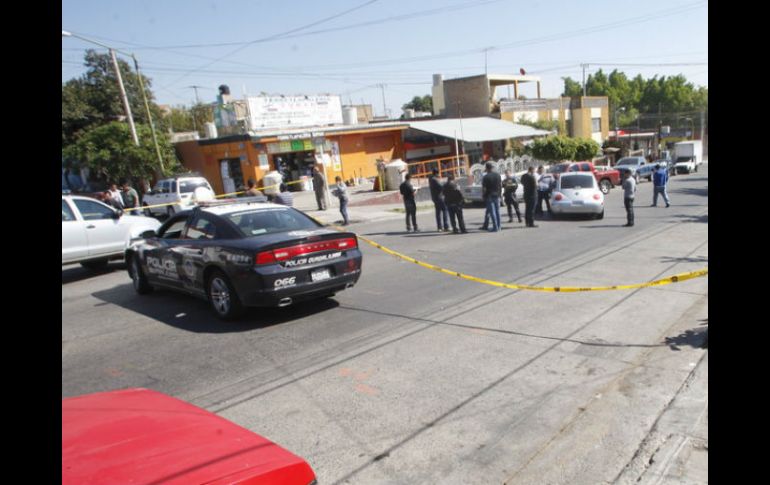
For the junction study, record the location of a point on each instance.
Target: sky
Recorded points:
(364, 49)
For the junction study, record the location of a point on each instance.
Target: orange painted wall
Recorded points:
(359, 152)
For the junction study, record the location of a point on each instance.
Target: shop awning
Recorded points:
(477, 129)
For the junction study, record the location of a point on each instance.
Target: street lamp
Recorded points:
(621, 109)
(123, 96)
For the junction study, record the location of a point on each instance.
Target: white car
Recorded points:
(577, 193)
(92, 233)
(180, 193)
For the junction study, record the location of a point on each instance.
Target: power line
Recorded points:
(275, 36)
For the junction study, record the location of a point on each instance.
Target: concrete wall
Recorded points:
(472, 93)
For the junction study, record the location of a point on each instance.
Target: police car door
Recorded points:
(190, 253)
(160, 253)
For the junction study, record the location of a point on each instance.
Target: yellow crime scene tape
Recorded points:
(556, 289)
(216, 196)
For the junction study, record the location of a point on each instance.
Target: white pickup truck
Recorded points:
(688, 155)
(176, 194)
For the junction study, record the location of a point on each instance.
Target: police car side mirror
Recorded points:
(148, 234)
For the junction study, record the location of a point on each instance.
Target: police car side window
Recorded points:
(201, 229)
(174, 229)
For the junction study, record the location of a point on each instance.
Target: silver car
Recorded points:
(577, 193)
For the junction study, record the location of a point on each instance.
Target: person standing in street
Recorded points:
(629, 192)
(341, 192)
(436, 195)
(130, 198)
(252, 191)
(529, 182)
(407, 192)
(106, 197)
(491, 187)
(510, 186)
(454, 201)
(659, 180)
(544, 183)
(319, 187)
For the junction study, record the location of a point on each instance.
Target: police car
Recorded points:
(243, 253)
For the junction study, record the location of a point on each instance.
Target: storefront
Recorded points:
(348, 151)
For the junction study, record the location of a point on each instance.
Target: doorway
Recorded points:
(232, 175)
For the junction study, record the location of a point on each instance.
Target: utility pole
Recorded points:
(384, 106)
(197, 99)
(702, 125)
(149, 116)
(584, 66)
(124, 98)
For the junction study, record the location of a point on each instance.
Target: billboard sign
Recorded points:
(294, 111)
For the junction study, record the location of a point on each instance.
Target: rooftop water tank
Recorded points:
(349, 115)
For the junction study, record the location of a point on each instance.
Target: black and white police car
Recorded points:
(245, 252)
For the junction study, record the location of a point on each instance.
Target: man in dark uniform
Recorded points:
(438, 201)
(491, 187)
(407, 191)
(510, 186)
(454, 200)
(529, 182)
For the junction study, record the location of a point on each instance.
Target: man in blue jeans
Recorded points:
(491, 187)
(659, 180)
(442, 212)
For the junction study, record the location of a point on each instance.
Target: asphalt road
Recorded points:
(417, 377)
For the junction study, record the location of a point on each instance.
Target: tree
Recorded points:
(109, 151)
(548, 125)
(94, 98)
(586, 149)
(420, 104)
(182, 118)
(554, 148)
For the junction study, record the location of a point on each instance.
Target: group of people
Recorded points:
(124, 198)
(340, 191)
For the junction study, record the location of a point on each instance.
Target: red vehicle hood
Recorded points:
(139, 436)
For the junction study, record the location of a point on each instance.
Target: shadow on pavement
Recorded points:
(194, 315)
(77, 273)
(696, 338)
(697, 259)
(700, 191)
(690, 218)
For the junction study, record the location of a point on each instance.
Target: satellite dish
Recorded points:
(522, 71)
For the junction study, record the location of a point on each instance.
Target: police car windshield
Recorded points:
(187, 186)
(269, 221)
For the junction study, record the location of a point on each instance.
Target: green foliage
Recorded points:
(182, 118)
(554, 148)
(420, 104)
(94, 98)
(664, 95)
(109, 151)
(548, 125)
(586, 149)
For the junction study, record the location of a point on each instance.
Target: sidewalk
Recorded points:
(305, 201)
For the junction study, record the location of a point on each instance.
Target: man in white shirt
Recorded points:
(116, 196)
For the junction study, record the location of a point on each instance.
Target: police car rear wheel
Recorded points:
(138, 278)
(223, 298)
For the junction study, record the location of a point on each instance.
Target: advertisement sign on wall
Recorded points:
(294, 111)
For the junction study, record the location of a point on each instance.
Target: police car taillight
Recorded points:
(283, 254)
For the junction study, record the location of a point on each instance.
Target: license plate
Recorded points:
(577, 202)
(320, 275)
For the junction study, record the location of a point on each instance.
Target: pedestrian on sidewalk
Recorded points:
(544, 186)
(454, 201)
(491, 188)
(284, 197)
(529, 182)
(659, 180)
(319, 187)
(130, 198)
(629, 192)
(436, 195)
(253, 191)
(341, 192)
(408, 191)
(510, 186)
